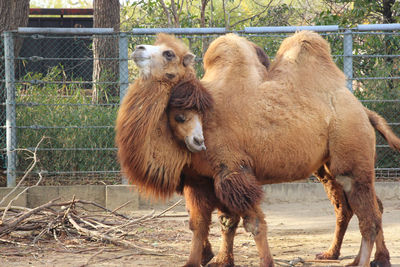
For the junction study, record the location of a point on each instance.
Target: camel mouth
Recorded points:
(140, 58)
(194, 145)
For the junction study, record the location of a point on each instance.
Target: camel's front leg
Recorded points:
(254, 223)
(200, 203)
(229, 223)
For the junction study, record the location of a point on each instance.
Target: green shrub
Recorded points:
(79, 134)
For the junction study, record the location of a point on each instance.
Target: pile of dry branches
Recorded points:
(72, 218)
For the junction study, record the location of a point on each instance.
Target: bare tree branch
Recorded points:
(166, 11)
(175, 13)
(6, 228)
(254, 16)
(235, 7)
(27, 172)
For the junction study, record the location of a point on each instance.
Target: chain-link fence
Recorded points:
(66, 88)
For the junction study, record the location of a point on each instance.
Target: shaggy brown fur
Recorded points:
(149, 155)
(191, 94)
(283, 125)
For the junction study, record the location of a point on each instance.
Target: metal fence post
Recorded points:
(123, 73)
(123, 65)
(11, 138)
(348, 58)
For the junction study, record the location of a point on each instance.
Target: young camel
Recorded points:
(271, 132)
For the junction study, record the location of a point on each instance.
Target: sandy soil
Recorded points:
(295, 230)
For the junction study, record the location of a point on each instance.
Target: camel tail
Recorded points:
(384, 129)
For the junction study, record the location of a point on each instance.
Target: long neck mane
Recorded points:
(148, 153)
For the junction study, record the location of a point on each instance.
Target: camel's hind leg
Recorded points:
(229, 223)
(254, 223)
(343, 215)
(360, 192)
(200, 202)
(343, 212)
(382, 257)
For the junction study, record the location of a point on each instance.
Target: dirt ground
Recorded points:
(296, 230)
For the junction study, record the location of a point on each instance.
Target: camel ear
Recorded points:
(188, 59)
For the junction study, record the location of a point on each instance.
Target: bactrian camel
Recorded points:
(266, 127)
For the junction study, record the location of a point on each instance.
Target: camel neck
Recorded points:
(144, 139)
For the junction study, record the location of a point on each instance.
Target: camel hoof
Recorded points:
(215, 264)
(354, 263)
(221, 261)
(326, 256)
(206, 257)
(384, 263)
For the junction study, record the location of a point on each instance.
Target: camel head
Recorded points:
(168, 60)
(187, 127)
(186, 109)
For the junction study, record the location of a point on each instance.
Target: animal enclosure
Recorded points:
(73, 101)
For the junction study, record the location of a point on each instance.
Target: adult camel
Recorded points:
(283, 125)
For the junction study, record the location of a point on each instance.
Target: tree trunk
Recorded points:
(205, 41)
(105, 70)
(13, 14)
(387, 11)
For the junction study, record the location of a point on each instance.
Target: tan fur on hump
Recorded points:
(303, 53)
(234, 58)
(231, 50)
(306, 42)
(148, 154)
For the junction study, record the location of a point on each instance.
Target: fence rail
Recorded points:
(52, 87)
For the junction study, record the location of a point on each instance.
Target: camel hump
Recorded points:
(304, 45)
(384, 129)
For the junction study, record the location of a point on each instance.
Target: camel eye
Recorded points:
(169, 55)
(180, 118)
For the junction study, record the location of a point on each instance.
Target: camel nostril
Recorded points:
(198, 140)
(140, 47)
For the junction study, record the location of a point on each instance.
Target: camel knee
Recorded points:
(228, 222)
(252, 225)
(200, 227)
